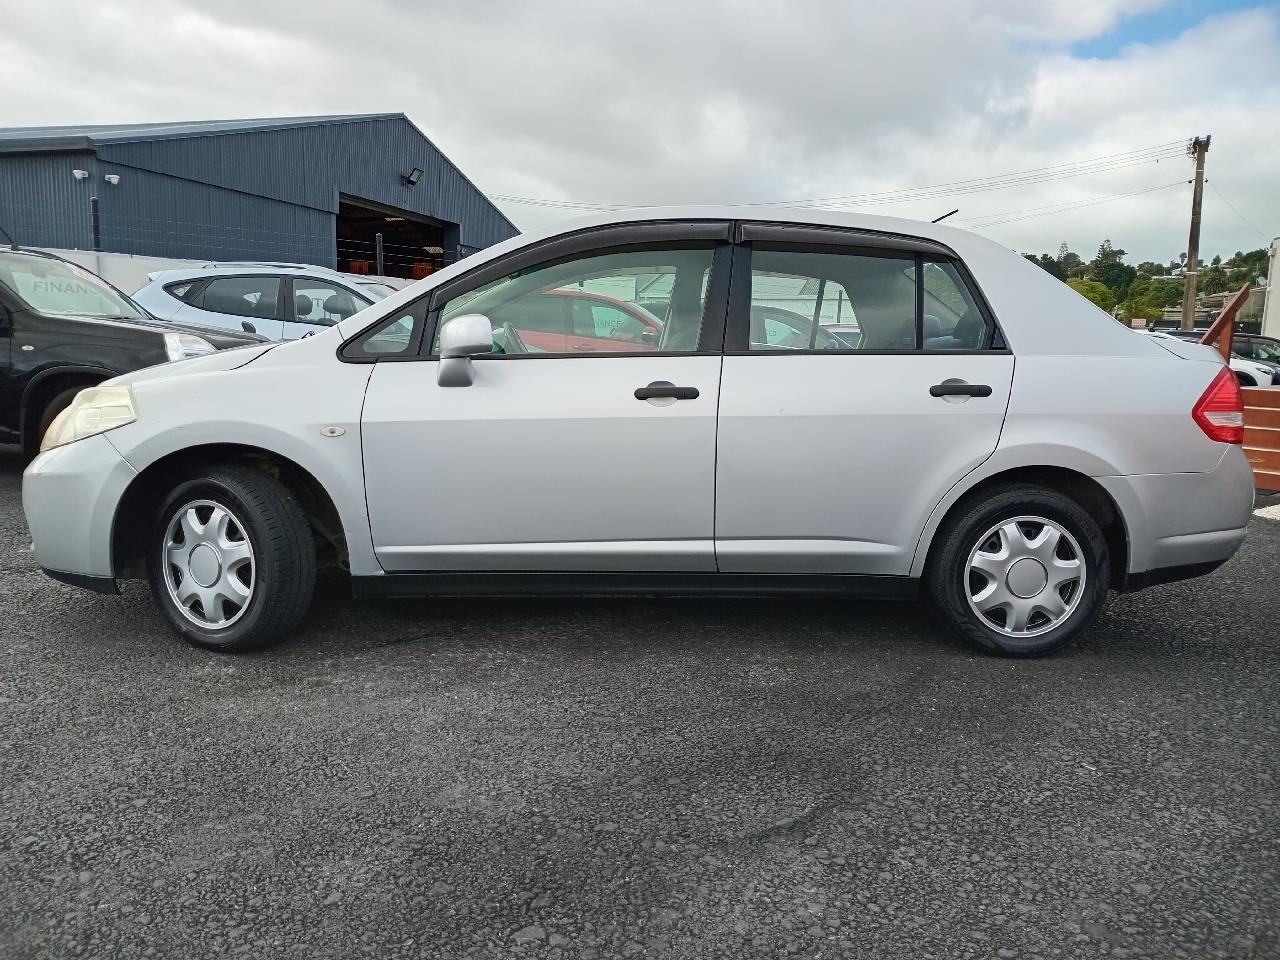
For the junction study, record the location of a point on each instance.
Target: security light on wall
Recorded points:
(112, 178)
(412, 177)
(80, 174)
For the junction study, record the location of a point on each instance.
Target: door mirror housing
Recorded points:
(248, 327)
(461, 339)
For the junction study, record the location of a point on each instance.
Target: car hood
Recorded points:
(211, 363)
(220, 337)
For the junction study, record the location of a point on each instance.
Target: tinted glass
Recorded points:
(952, 321)
(520, 305)
(803, 300)
(242, 296)
(393, 338)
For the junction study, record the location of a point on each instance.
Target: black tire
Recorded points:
(1245, 380)
(44, 417)
(947, 578)
(283, 552)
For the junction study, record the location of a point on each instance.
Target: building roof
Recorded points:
(88, 136)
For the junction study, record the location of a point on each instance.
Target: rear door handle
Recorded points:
(958, 388)
(661, 389)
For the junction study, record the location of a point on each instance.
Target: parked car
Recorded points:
(280, 301)
(1250, 373)
(400, 446)
(1259, 349)
(63, 328)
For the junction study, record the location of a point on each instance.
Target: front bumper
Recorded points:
(70, 495)
(1184, 523)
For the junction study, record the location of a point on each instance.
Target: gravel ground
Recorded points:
(638, 778)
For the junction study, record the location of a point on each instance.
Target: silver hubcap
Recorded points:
(208, 564)
(1025, 576)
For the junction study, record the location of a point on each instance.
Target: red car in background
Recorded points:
(579, 321)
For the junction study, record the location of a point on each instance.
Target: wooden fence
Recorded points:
(1261, 404)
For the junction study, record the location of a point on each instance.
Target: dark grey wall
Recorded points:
(257, 195)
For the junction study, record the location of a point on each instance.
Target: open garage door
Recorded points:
(381, 240)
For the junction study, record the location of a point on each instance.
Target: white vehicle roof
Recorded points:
(1038, 313)
(226, 268)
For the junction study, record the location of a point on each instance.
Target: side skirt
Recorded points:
(505, 584)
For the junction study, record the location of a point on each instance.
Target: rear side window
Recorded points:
(803, 300)
(183, 290)
(241, 296)
(883, 301)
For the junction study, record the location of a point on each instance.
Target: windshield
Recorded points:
(59, 288)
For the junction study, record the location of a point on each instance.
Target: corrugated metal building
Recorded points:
(304, 189)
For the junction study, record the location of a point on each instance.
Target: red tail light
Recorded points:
(1220, 411)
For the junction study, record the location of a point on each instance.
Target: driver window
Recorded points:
(640, 300)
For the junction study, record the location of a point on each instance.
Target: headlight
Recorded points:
(184, 346)
(94, 410)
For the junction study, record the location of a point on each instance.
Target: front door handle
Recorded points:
(958, 388)
(665, 389)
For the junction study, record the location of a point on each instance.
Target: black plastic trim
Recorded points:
(84, 581)
(810, 235)
(511, 584)
(1153, 578)
(582, 241)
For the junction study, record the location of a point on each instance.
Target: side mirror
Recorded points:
(461, 339)
(248, 327)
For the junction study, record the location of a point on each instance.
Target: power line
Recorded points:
(1052, 208)
(1237, 211)
(1136, 157)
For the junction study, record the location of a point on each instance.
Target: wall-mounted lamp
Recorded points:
(412, 177)
(80, 174)
(112, 178)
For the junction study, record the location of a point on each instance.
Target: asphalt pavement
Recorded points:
(639, 778)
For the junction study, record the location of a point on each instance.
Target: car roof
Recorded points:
(241, 269)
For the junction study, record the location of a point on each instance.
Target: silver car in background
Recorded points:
(937, 415)
(280, 301)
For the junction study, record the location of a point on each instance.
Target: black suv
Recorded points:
(63, 328)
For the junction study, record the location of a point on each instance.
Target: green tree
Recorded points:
(1046, 263)
(1213, 279)
(1070, 264)
(1151, 269)
(1109, 268)
(1165, 293)
(1099, 293)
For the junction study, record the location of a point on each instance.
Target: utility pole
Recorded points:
(1197, 149)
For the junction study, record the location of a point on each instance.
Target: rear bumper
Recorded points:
(1183, 525)
(70, 495)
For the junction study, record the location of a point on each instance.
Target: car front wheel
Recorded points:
(1020, 572)
(231, 559)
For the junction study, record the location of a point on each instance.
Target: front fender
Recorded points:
(280, 408)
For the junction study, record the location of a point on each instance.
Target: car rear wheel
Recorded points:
(231, 559)
(1020, 572)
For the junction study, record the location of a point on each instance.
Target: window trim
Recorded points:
(418, 308)
(852, 242)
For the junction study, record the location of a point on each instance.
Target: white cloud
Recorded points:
(717, 100)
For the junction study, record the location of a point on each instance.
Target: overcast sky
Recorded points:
(731, 101)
